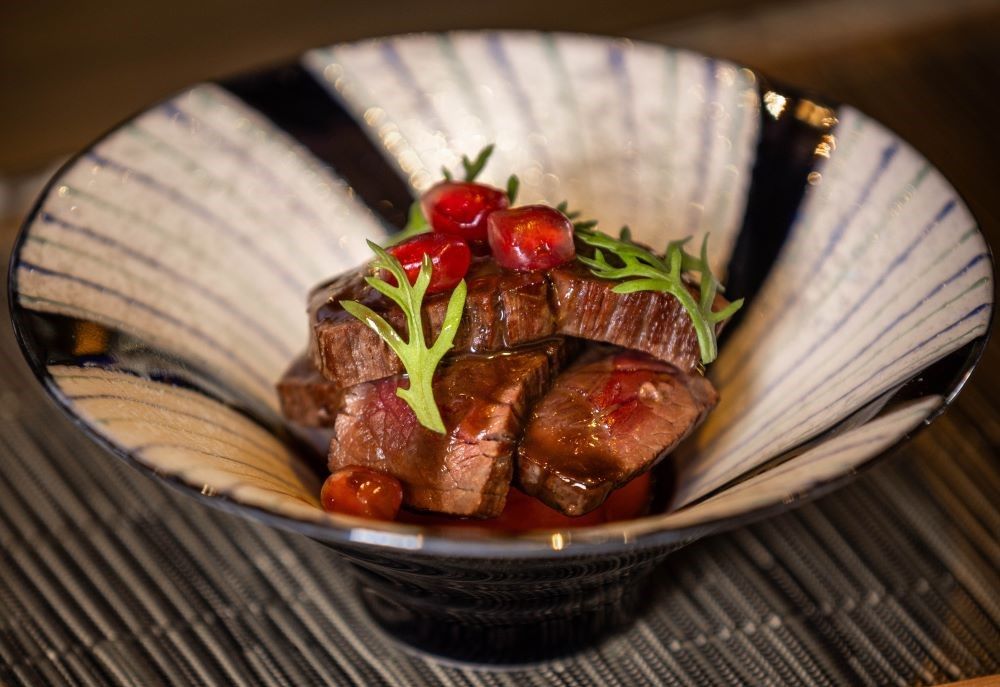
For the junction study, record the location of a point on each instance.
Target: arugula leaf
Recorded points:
(418, 359)
(641, 270)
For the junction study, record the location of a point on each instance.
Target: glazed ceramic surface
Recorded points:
(159, 286)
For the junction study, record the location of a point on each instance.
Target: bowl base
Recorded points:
(504, 631)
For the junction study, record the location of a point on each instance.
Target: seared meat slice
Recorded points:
(307, 399)
(649, 321)
(503, 309)
(604, 422)
(484, 400)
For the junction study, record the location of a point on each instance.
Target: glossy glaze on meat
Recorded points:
(653, 322)
(604, 421)
(503, 309)
(484, 400)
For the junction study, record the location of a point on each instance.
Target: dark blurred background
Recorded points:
(69, 70)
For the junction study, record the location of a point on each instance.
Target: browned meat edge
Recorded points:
(604, 422)
(307, 398)
(653, 322)
(503, 309)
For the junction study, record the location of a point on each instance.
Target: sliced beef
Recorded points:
(604, 421)
(484, 400)
(649, 321)
(307, 398)
(503, 309)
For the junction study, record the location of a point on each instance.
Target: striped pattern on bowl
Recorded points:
(194, 231)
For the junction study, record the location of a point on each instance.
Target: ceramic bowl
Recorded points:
(158, 291)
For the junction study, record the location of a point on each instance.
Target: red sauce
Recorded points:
(522, 512)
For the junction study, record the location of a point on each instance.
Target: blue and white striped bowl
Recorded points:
(159, 286)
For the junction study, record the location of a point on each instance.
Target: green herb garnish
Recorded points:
(418, 360)
(513, 184)
(563, 207)
(474, 167)
(641, 270)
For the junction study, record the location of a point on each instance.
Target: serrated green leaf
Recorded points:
(452, 318)
(634, 285)
(388, 290)
(419, 360)
(727, 312)
(641, 270)
(376, 322)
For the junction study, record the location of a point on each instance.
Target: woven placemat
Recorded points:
(107, 577)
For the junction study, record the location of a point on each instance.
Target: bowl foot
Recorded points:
(533, 625)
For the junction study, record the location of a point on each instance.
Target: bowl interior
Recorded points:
(159, 286)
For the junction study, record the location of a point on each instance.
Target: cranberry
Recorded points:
(362, 492)
(532, 237)
(450, 258)
(460, 208)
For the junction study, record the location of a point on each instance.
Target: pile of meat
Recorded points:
(554, 384)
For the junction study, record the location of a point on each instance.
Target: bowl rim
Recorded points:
(469, 542)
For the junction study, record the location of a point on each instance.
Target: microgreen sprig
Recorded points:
(474, 167)
(574, 216)
(513, 185)
(418, 359)
(641, 270)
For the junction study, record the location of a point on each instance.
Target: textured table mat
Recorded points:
(109, 578)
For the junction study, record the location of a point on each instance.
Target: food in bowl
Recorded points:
(496, 350)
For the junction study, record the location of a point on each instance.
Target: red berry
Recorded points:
(362, 492)
(450, 258)
(532, 237)
(460, 208)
